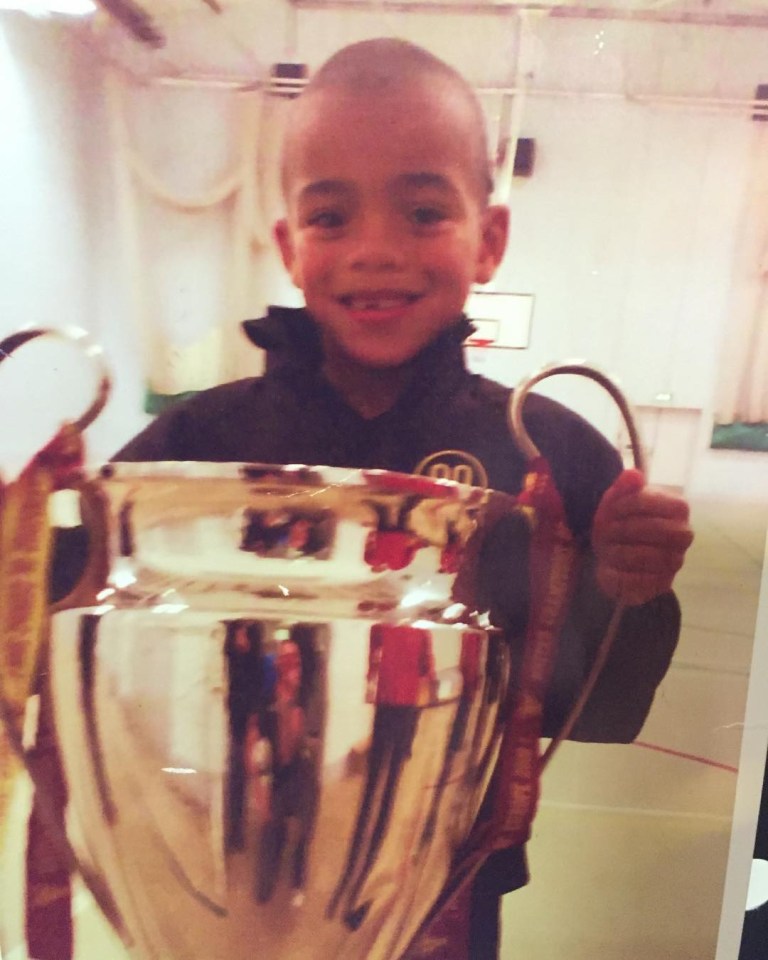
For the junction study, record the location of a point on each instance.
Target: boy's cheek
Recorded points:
(286, 246)
(296, 273)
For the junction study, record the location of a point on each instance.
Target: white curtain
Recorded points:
(743, 390)
(197, 193)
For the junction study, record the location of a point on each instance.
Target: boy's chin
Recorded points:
(380, 361)
(382, 356)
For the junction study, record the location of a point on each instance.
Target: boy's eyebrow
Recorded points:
(418, 179)
(324, 188)
(425, 178)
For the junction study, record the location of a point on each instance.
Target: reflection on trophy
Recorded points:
(277, 750)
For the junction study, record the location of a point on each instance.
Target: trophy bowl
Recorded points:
(279, 705)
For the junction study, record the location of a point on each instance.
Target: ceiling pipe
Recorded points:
(513, 108)
(703, 18)
(253, 84)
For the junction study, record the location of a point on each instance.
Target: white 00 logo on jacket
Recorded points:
(456, 465)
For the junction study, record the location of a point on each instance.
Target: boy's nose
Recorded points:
(377, 246)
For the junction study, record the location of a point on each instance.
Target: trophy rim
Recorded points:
(294, 475)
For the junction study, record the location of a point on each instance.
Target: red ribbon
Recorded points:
(49, 926)
(516, 784)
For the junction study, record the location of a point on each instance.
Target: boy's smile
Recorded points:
(387, 225)
(367, 305)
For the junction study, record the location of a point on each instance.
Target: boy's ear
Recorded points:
(282, 234)
(495, 231)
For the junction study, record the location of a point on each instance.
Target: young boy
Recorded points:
(388, 225)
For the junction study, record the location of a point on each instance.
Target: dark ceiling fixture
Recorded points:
(135, 19)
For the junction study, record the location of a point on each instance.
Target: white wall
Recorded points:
(42, 245)
(44, 253)
(623, 233)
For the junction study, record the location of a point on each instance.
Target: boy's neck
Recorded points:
(368, 390)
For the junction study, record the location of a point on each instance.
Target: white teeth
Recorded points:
(383, 304)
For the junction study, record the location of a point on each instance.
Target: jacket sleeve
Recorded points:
(639, 658)
(584, 465)
(213, 425)
(167, 438)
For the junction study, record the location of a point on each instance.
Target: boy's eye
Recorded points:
(426, 216)
(325, 219)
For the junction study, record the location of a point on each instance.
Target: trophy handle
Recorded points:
(56, 467)
(580, 368)
(531, 452)
(93, 351)
(63, 455)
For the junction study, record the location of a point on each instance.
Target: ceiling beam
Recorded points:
(135, 19)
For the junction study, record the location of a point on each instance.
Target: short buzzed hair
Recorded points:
(388, 64)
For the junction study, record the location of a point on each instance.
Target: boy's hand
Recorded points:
(639, 536)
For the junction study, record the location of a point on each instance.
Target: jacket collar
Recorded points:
(292, 343)
(288, 336)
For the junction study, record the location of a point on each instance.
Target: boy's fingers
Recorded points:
(626, 500)
(647, 502)
(614, 502)
(640, 536)
(633, 589)
(624, 558)
(647, 531)
(627, 482)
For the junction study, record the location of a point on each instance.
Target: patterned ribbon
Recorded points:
(516, 784)
(25, 553)
(24, 556)
(552, 577)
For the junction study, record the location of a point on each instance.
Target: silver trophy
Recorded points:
(279, 702)
(277, 722)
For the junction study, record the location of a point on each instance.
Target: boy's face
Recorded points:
(387, 229)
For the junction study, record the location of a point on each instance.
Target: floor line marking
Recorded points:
(685, 756)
